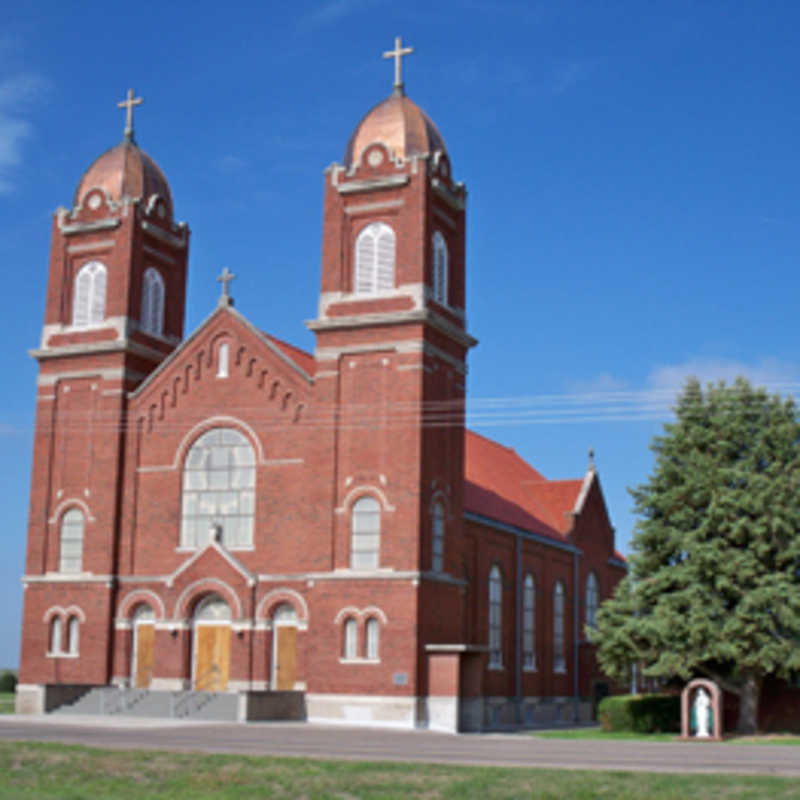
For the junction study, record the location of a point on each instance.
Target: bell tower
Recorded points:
(392, 343)
(114, 311)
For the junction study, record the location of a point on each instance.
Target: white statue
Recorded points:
(702, 702)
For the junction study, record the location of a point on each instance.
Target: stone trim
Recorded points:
(372, 184)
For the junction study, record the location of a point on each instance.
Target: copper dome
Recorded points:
(125, 171)
(398, 123)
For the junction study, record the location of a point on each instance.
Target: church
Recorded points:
(222, 513)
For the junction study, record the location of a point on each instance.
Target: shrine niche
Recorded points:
(701, 711)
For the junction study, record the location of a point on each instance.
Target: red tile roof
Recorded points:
(304, 360)
(501, 485)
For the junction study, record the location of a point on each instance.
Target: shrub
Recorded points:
(645, 713)
(8, 682)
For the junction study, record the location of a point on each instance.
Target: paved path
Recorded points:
(322, 741)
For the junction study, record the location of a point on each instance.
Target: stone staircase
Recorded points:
(189, 705)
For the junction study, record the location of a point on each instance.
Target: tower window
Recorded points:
(71, 541)
(495, 617)
(375, 257)
(365, 533)
(89, 303)
(219, 478)
(153, 302)
(440, 268)
(437, 559)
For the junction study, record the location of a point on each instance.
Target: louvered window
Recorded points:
(528, 623)
(219, 479)
(437, 560)
(440, 268)
(153, 302)
(375, 259)
(71, 541)
(365, 536)
(559, 659)
(89, 302)
(495, 617)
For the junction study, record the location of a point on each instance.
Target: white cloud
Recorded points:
(332, 11)
(16, 94)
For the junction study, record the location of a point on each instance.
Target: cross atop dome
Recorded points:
(397, 54)
(128, 104)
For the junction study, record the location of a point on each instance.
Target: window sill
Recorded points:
(243, 549)
(530, 669)
(496, 667)
(560, 670)
(359, 661)
(62, 655)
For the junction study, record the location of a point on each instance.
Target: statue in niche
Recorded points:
(702, 714)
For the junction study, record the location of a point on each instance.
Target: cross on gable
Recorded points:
(397, 54)
(225, 278)
(129, 104)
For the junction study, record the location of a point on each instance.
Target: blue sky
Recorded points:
(632, 172)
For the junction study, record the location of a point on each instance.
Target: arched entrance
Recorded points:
(212, 644)
(284, 648)
(143, 652)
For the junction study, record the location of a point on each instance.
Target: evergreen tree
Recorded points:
(714, 582)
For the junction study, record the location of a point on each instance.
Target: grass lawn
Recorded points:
(41, 771)
(597, 733)
(6, 702)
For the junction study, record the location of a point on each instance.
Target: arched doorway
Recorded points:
(143, 652)
(212, 644)
(284, 648)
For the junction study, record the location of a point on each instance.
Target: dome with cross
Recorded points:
(125, 171)
(397, 122)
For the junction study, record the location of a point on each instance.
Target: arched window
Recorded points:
(365, 539)
(373, 634)
(375, 255)
(592, 600)
(219, 478)
(529, 623)
(72, 636)
(71, 541)
(559, 659)
(440, 268)
(153, 302)
(350, 644)
(89, 302)
(55, 635)
(437, 561)
(222, 360)
(495, 617)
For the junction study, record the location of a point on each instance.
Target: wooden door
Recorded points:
(286, 663)
(212, 657)
(145, 653)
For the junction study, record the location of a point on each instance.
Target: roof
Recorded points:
(304, 360)
(125, 171)
(504, 487)
(401, 125)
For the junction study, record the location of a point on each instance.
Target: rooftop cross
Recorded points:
(128, 104)
(225, 278)
(397, 54)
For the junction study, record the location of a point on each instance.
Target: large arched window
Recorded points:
(152, 302)
(375, 256)
(440, 268)
(495, 617)
(219, 478)
(437, 560)
(70, 556)
(592, 600)
(89, 302)
(559, 657)
(365, 530)
(529, 623)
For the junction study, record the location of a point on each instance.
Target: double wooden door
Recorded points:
(212, 656)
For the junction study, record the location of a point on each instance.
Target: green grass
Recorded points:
(43, 771)
(6, 702)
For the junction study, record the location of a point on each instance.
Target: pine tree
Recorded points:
(714, 584)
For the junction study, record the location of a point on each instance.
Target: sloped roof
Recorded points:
(304, 360)
(501, 485)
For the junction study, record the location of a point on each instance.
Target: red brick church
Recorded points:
(223, 512)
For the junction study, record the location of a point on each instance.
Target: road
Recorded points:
(371, 744)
